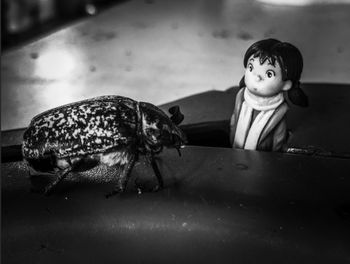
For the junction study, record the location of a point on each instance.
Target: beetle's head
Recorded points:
(159, 130)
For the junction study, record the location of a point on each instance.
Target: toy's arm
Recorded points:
(279, 136)
(234, 117)
(232, 128)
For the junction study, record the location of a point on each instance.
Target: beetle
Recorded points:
(111, 130)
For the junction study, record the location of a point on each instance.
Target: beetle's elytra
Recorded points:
(111, 130)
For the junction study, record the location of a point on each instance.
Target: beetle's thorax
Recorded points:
(146, 143)
(139, 129)
(139, 126)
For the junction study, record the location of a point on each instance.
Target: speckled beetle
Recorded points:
(111, 130)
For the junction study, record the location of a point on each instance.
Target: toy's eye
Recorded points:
(270, 74)
(250, 67)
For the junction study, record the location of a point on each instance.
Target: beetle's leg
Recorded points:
(60, 176)
(137, 186)
(124, 176)
(157, 173)
(32, 173)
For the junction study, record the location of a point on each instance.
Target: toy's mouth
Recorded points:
(253, 89)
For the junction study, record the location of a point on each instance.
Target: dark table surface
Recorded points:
(218, 206)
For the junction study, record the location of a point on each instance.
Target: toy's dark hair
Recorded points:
(290, 60)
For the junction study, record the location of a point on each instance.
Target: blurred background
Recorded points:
(56, 52)
(24, 20)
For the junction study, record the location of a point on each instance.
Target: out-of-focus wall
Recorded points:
(23, 19)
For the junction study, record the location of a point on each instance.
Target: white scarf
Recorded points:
(246, 137)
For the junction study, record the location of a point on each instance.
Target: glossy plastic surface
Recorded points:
(219, 205)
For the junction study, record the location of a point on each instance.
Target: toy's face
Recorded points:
(264, 79)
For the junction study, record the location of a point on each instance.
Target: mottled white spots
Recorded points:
(76, 132)
(50, 123)
(89, 127)
(75, 117)
(81, 152)
(58, 116)
(31, 153)
(100, 132)
(70, 121)
(112, 158)
(62, 163)
(82, 120)
(87, 130)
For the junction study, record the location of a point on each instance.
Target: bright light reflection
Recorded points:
(55, 64)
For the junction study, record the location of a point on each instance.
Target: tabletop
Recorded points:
(218, 205)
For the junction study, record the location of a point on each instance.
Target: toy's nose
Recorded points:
(258, 77)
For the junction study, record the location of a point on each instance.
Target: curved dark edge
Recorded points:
(209, 134)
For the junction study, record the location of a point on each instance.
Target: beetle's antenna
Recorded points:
(176, 116)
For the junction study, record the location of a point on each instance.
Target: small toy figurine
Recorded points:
(258, 121)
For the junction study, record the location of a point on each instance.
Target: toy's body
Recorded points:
(258, 121)
(268, 132)
(111, 130)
